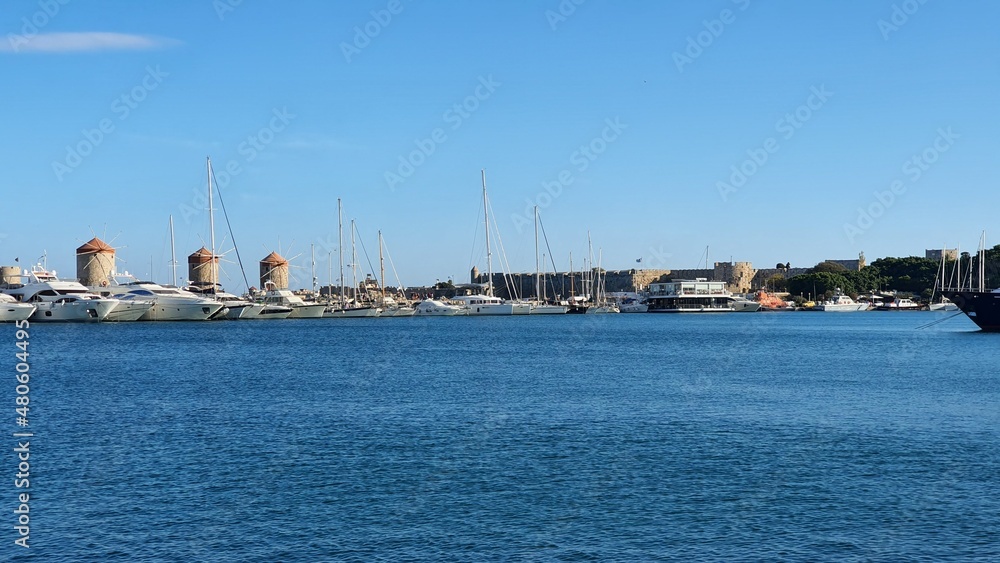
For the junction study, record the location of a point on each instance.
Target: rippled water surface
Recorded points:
(797, 436)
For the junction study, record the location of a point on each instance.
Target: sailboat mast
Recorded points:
(381, 268)
(211, 225)
(489, 255)
(173, 255)
(312, 249)
(340, 246)
(538, 272)
(590, 275)
(572, 280)
(354, 265)
(982, 262)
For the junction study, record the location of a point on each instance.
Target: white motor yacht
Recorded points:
(741, 304)
(484, 305)
(11, 310)
(300, 308)
(841, 303)
(169, 303)
(629, 302)
(60, 300)
(435, 308)
(129, 308)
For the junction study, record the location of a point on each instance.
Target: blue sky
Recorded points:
(646, 112)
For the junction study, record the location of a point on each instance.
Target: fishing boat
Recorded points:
(771, 302)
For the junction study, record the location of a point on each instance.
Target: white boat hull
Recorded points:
(852, 308)
(12, 312)
(549, 310)
(268, 312)
(634, 308)
(181, 312)
(91, 310)
(311, 311)
(943, 307)
(359, 313)
(602, 310)
(127, 311)
(491, 309)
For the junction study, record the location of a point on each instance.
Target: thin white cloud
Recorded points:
(81, 42)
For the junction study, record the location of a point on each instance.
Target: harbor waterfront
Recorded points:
(606, 437)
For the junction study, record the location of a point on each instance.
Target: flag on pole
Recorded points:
(638, 260)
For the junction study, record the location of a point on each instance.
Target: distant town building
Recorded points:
(950, 254)
(854, 265)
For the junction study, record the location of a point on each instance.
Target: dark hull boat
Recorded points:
(983, 307)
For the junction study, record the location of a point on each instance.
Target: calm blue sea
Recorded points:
(783, 436)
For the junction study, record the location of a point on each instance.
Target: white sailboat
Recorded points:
(599, 302)
(944, 304)
(489, 304)
(540, 306)
(348, 309)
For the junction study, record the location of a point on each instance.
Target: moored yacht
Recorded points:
(629, 302)
(484, 305)
(58, 300)
(129, 308)
(11, 310)
(841, 303)
(435, 308)
(169, 303)
(300, 308)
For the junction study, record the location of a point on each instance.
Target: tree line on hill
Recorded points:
(912, 275)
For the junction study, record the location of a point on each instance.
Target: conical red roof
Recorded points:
(274, 259)
(200, 256)
(95, 245)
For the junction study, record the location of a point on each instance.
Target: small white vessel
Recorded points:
(169, 303)
(435, 308)
(270, 312)
(285, 298)
(129, 308)
(899, 305)
(351, 312)
(548, 309)
(58, 300)
(841, 303)
(944, 305)
(629, 302)
(483, 305)
(743, 305)
(11, 310)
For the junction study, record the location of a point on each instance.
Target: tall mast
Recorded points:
(982, 262)
(354, 265)
(213, 267)
(173, 255)
(329, 291)
(340, 247)
(381, 268)
(538, 272)
(590, 274)
(489, 255)
(312, 249)
(572, 284)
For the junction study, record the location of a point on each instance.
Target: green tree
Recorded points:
(831, 267)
